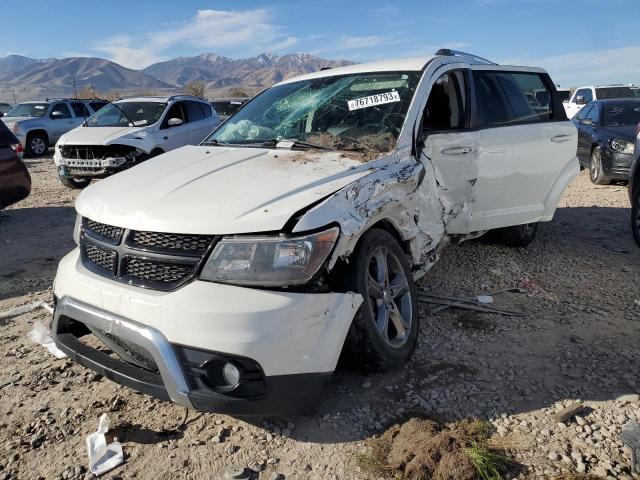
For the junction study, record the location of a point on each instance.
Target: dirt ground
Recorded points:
(578, 339)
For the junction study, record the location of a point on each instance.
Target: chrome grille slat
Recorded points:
(156, 260)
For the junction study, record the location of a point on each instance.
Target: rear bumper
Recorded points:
(291, 342)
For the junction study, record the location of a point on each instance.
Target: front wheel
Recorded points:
(635, 216)
(37, 144)
(596, 171)
(76, 183)
(385, 329)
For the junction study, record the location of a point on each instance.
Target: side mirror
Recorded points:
(174, 122)
(586, 121)
(580, 100)
(56, 114)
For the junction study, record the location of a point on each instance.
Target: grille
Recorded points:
(108, 232)
(105, 259)
(168, 261)
(171, 241)
(96, 152)
(156, 271)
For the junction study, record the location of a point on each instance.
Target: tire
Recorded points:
(635, 216)
(76, 183)
(37, 144)
(596, 171)
(384, 332)
(519, 235)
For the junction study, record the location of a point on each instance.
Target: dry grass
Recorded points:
(421, 449)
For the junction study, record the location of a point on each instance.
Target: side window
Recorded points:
(492, 106)
(446, 105)
(97, 105)
(63, 109)
(584, 112)
(80, 110)
(586, 94)
(521, 90)
(594, 113)
(194, 111)
(175, 111)
(206, 109)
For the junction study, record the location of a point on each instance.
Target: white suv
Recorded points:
(584, 95)
(129, 131)
(231, 276)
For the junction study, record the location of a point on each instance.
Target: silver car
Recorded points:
(39, 125)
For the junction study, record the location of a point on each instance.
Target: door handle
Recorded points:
(456, 150)
(560, 138)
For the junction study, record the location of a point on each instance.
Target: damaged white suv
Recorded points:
(129, 131)
(231, 276)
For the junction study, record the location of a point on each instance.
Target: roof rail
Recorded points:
(455, 53)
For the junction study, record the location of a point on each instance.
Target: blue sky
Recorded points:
(578, 42)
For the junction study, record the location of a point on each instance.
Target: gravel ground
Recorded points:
(577, 340)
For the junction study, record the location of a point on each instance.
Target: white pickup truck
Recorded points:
(584, 95)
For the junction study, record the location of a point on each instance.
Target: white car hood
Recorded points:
(102, 135)
(217, 190)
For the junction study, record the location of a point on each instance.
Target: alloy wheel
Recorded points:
(389, 297)
(596, 165)
(38, 146)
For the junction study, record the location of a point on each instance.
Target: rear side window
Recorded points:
(206, 109)
(80, 110)
(523, 91)
(492, 106)
(194, 112)
(97, 105)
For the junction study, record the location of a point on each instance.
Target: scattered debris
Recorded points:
(103, 457)
(569, 412)
(630, 436)
(40, 334)
(237, 473)
(462, 303)
(485, 299)
(29, 307)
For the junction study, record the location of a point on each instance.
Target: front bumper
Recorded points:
(616, 165)
(294, 338)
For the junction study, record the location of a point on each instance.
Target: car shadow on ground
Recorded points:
(577, 337)
(37, 238)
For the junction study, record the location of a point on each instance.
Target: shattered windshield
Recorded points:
(28, 110)
(127, 114)
(363, 112)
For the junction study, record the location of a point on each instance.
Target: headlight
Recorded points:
(622, 146)
(269, 261)
(76, 229)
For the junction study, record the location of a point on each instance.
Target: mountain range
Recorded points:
(31, 78)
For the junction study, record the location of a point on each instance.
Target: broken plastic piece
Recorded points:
(237, 473)
(14, 312)
(485, 299)
(630, 436)
(103, 457)
(41, 335)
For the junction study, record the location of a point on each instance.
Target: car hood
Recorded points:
(218, 190)
(626, 132)
(13, 120)
(101, 135)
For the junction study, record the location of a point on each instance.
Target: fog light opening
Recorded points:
(231, 375)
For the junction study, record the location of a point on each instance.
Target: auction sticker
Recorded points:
(373, 100)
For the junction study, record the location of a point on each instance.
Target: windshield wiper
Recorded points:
(295, 143)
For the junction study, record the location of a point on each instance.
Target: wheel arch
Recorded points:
(36, 130)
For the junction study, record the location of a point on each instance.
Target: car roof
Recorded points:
(410, 64)
(159, 99)
(230, 99)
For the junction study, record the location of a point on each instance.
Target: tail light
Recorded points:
(19, 149)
